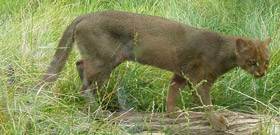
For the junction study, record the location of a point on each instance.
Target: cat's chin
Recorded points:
(258, 76)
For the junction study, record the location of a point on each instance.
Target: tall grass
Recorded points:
(31, 29)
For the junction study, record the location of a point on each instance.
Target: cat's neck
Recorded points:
(229, 58)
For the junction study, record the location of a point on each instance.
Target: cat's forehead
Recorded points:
(261, 52)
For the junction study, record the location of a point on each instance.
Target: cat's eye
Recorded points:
(253, 63)
(267, 62)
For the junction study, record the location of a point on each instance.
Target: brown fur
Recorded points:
(106, 39)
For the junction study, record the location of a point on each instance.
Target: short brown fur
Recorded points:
(106, 39)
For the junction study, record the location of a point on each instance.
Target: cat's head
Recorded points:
(253, 56)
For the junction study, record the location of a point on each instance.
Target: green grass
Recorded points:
(31, 29)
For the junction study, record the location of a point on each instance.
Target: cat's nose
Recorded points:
(261, 73)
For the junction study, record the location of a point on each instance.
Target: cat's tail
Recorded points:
(62, 53)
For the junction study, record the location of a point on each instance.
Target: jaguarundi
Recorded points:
(108, 38)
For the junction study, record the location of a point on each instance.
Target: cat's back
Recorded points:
(134, 22)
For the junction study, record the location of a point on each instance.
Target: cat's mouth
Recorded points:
(259, 74)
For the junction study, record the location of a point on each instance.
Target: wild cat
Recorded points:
(106, 39)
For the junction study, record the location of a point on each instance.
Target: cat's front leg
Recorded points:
(203, 98)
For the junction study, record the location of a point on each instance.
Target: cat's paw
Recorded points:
(174, 113)
(219, 122)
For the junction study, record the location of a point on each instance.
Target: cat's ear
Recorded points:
(241, 46)
(267, 41)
